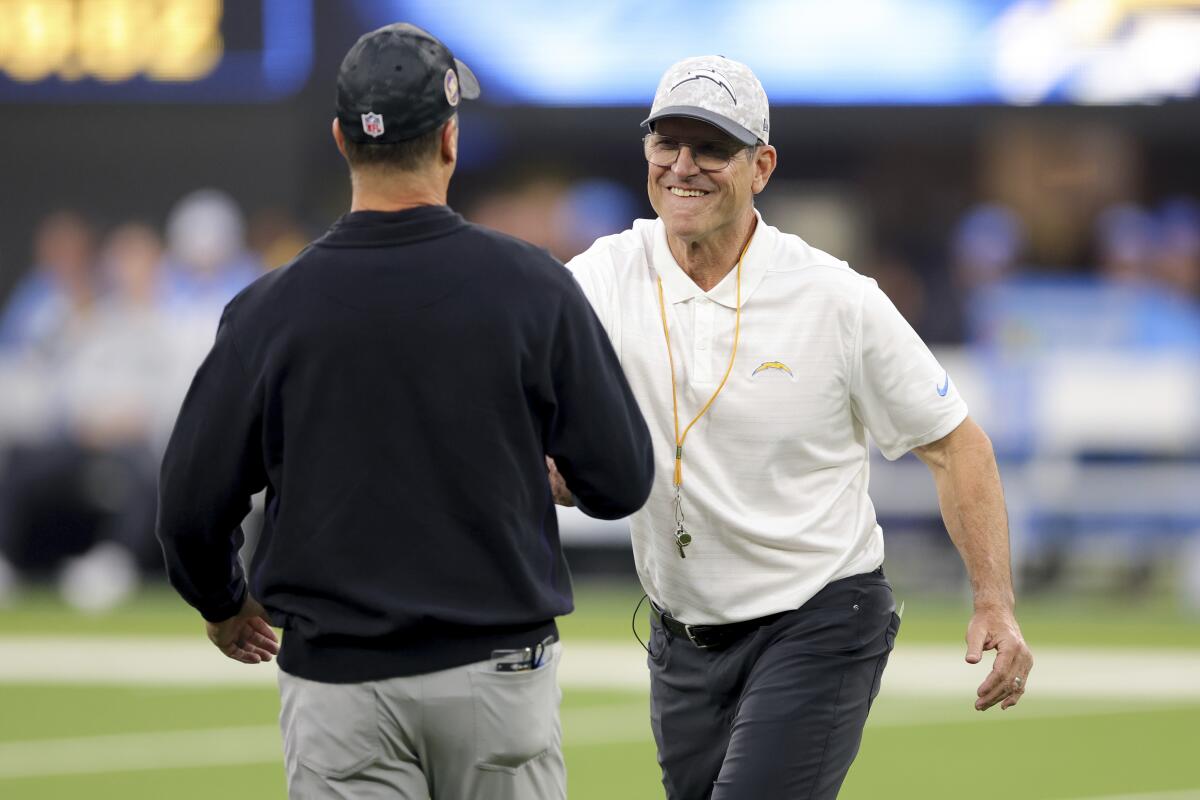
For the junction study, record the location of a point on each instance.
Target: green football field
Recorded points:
(1126, 724)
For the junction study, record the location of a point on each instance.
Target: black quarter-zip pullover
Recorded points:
(395, 390)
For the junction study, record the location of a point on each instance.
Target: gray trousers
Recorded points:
(466, 733)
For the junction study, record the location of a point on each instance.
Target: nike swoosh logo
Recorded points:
(945, 387)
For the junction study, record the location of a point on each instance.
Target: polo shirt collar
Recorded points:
(678, 287)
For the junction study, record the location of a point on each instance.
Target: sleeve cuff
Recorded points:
(582, 507)
(223, 611)
(946, 427)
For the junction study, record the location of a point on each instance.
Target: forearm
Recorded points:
(972, 505)
(205, 570)
(200, 511)
(598, 437)
(968, 485)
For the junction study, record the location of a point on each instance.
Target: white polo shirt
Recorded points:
(775, 474)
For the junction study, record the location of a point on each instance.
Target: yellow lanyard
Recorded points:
(737, 324)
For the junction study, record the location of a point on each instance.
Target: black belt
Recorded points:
(716, 637)
(712, 637)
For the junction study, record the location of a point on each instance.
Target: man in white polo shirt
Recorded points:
(761, 365)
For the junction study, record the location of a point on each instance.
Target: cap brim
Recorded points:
(704, 115)
(468, 84)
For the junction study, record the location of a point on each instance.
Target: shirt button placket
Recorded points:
(702, 341)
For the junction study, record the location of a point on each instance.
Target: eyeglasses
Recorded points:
(663, 151)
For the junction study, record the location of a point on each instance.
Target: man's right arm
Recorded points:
(972, 502)
(597, 436)
(212, 466)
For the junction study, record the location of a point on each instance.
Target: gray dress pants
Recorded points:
(466, 733)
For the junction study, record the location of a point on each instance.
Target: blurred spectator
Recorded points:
(1177, 254)
(58, 288)
(1125, 238)
(986, 247)
(985, 250)
(112, 372)
(112, 377)
(93, 482)
(52, 299)
(208, 263)
(206, 240)
(1149, 270)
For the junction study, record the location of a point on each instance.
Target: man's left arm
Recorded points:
(972, 503)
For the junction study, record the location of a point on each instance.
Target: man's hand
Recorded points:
(996, 629)
(246, 637)
(558, 486)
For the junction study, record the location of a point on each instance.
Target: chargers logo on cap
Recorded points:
(452, 93)
(372, 124)
(707, 74)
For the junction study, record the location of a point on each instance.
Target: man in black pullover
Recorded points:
(396, 390)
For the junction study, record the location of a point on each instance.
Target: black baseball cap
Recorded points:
(399, 82)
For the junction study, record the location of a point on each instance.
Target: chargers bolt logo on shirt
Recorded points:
(372, 124)
(774, 365)
(452, 93)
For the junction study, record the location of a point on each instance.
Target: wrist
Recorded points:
(993, 603)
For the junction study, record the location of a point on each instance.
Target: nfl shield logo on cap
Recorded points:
(372, 124)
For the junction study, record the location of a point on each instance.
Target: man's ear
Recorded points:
(765, 160)
(450, 140)
(339, 138)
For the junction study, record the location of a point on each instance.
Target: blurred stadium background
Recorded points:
(1022, 177)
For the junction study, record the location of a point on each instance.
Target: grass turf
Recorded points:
(913, 748)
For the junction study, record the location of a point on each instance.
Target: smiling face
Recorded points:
(694, 204)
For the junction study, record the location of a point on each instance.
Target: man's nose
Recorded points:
(685, 164)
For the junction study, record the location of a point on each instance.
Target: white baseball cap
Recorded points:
(716, 90)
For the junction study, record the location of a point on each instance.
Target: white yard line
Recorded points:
(131, 752)
(1066, 672)
(914, 670)
(1184, 794)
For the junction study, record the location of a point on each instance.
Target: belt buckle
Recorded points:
(692, 637)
